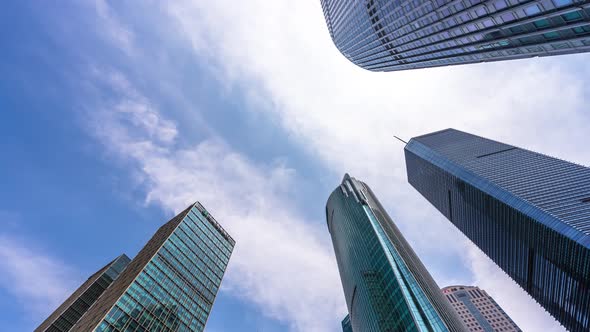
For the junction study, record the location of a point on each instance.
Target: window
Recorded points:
(488, 23)
(541, 23)
(585, 200)
(500, 4)
(560, 3)
(507, 17)
(572, 16)
(551, 35)
(481, 11)
(532, 10)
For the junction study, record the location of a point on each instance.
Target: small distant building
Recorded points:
(478, 310)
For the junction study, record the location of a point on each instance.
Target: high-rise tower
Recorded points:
(386, 287)
(478, 310)
(171, 284)
(69, 312)
(530, 213)
(381, 35)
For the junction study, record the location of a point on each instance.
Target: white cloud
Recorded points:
(129, 125)
(38, 281)
(280, 52)
(280, 264)
(113, 29)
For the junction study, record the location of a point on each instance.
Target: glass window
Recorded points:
(551, 35)
(488, 23)
(500, 4)
(532, 10)
(527, 40)
(481, 11)
(541, 23)
(507, 17)
(572, 16)
(560, 3)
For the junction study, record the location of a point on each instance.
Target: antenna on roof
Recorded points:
(399, 139)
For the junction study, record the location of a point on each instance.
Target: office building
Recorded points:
(172, 282)
(346, 327)
(478, 310)
(530, 213)
(69, 312)
(395, 35)
(385, 285)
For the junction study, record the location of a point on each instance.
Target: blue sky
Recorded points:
(116, 115)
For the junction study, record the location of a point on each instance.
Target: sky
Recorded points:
(117, 115)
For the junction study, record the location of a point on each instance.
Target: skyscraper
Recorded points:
(69, 312)
(386, 287)
(530, 213)
(171, 284)
(394, 35)
(478, 310)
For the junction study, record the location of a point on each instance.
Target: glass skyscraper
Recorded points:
(530, 213)
(391, 35)
(171, 284)
(386, 287)
(69, 312)
(478, 310)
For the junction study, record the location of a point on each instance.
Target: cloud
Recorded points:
(38, 281)
(131, 114)
(280, 264)
(113, 29)
(280, 52)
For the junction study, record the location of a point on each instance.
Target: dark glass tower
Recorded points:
(391, 35)
(171, 284)
(385, 285)
(69, 312)
(530, 213)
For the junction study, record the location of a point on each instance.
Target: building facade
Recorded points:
(69, 312)
(478, 310)
(172, 282)
(346, 326)
(381, 35)
(385, 285)
(528, 212)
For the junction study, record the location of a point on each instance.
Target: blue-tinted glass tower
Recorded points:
(75, 306)
(389, 35)
(386, 287)
(171, 284)
(530, 213)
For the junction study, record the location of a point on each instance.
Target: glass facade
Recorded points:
(172, 283)
(478, 310)
(390, 35)
(530, 213)
(346, 326)
(68, 314)
(386, 287)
